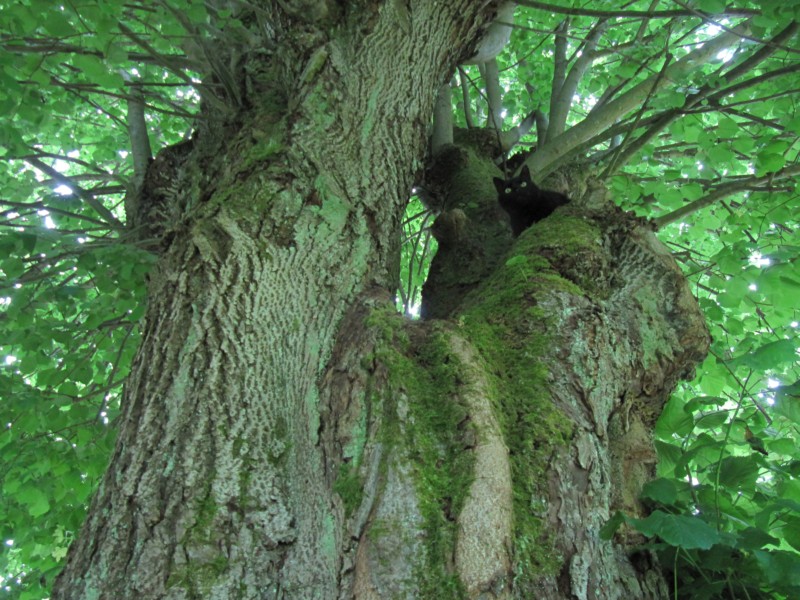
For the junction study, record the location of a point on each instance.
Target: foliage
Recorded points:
(708, 149)
(417, 249)
(72, 289)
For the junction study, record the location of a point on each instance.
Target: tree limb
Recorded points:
(559, 69)
(442, 133)
(708, 92)
(494, 94)
(546, 158)
(559, 106)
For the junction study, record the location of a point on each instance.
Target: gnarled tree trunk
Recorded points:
(286, 435)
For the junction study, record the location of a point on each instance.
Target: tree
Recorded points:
(282, 431)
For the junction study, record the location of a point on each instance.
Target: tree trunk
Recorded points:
(285, 435)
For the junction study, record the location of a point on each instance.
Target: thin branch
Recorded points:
(50, 46)
(616, 157)
(140, 142)
(654, 14)
(494, 94)
(160, 59)
(559, 68)
(442, 133)
(708, 93)
(42, 206)
(467, 105)
(81, 193)
(725, 190)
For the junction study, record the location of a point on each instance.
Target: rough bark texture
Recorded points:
(592, 300)
(285, 210)
(285, 435)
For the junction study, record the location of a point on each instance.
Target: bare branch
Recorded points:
(559, 68)
(159, 58)
(442, 133)
(707, 91)
(559, 106)
(466, 104)
(140, 142)
(494, 94)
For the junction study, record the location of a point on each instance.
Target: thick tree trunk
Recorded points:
(284, 212)
(286, 435)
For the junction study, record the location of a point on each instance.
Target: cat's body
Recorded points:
(524, 202)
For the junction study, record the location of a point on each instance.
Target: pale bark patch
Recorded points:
(483, 543)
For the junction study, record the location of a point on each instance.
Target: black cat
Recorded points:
(524, 202)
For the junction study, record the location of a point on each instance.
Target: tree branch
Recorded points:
(442, 133)
(653, 14)
(494, 94)
(559, 69)
(467, 105)
(559, 107)
(726, 189)
(140, 142)
(79, 191)
(546, 158)
(708, 92)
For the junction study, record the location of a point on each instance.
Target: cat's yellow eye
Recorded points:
(507, 190)
(523, 184)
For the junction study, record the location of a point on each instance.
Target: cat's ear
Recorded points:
(525, 173)
(499, 184)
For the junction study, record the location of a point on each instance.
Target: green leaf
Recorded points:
(779, 566)
(791, 531)
(611, 526)
(661, 490)
(769, 356)
(711, 420)
(738, 472)
(36, 501)
(769, 163)
(711, 6)
(752, 538)
(678, 530)
(674, 420)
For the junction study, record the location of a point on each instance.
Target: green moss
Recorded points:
(569, 242)
(512, 342)
(349, 487)
(422, 380)
(197, 578)
(199, 581)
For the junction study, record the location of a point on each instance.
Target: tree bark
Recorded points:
(286, 435)
(284, 213)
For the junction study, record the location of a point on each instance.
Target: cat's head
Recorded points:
(521, 182)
